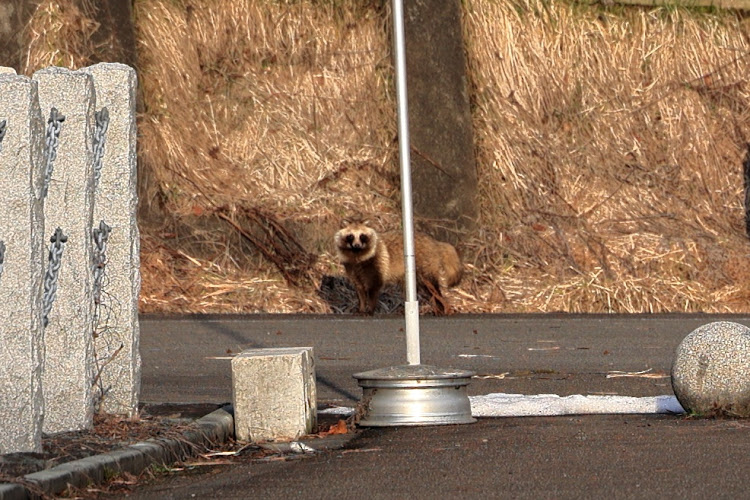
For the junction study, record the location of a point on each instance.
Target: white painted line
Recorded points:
(540, 405)
(520, 405)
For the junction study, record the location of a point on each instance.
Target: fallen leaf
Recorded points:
(337, 428)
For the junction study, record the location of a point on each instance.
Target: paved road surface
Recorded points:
(188, 360)
(636, 456)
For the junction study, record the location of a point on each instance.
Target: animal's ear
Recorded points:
(353, 220)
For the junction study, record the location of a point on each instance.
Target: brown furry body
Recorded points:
(373, 259)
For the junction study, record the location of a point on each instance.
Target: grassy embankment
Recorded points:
(610, 145)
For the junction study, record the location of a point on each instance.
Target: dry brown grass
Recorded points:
(264, 103)
(610, 148)
(279, 105)
(59, 34)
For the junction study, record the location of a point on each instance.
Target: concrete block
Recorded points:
(116, 203)
(22, 233)
(711, 371)
(69, 364)
(6, 70)
(274, 394)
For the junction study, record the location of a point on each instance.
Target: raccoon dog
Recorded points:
(373, 259)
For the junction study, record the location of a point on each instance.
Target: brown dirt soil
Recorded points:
(612, 150)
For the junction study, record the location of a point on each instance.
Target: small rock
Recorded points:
(711, 371)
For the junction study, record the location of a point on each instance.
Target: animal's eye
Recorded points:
(364, 238)
(349, 238)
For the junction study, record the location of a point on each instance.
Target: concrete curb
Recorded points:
(216, 427)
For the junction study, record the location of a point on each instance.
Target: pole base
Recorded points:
(415, 395)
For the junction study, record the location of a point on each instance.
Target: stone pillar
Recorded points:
(115, 202)
(444, 173)
(273, 393)
(21, 231)
(69, 364)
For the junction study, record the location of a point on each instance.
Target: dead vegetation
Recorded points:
(271, 107)
(108, 433)
(59, 34)
(611, 144)
(611, 149)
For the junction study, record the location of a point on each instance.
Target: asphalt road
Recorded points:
(188, 359)
(633, 456)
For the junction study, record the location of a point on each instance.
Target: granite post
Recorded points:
(69, 359)
(118, 363)
(21, 233)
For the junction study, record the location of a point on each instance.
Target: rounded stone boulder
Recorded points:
(711, 371)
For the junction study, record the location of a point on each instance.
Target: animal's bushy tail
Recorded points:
(453, 270)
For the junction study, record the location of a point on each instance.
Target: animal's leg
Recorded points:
(363, 300)
(440, 305)
(372, 298)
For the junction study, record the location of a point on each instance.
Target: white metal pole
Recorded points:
(411, 306)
